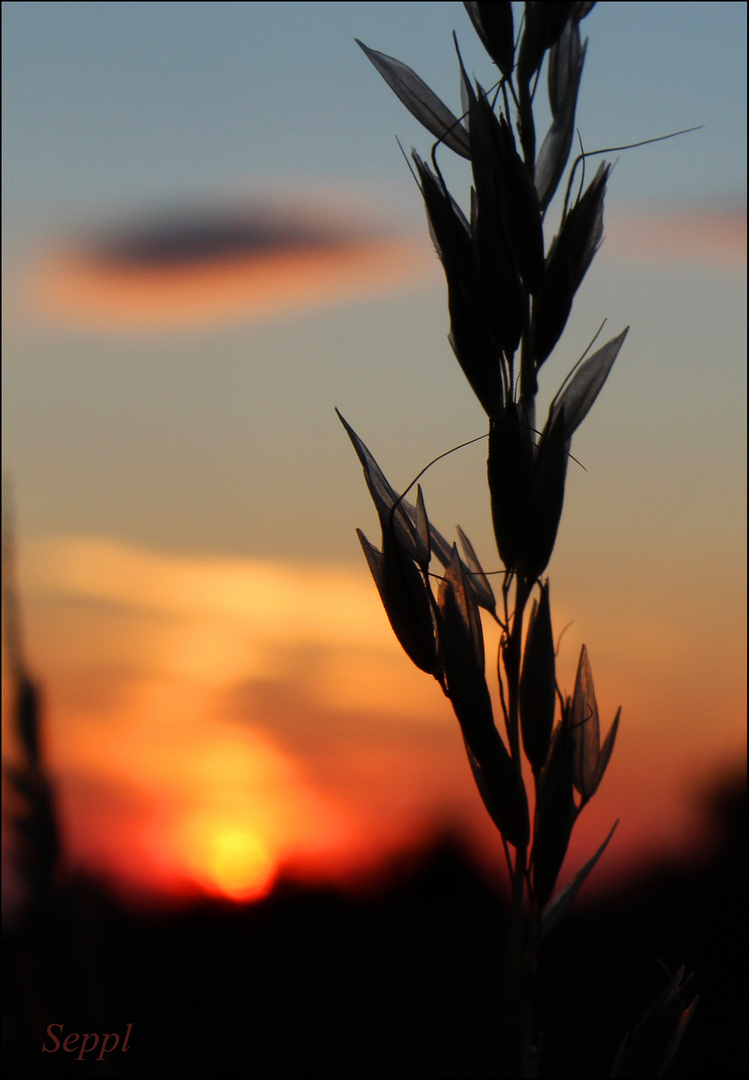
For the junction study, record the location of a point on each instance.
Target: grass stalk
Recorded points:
(510, 295)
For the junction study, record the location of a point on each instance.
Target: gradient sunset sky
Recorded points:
(223, 692)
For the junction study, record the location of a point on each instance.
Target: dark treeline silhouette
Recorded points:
(407, 982)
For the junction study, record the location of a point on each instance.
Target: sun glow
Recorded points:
(232, 721)
(231, 860)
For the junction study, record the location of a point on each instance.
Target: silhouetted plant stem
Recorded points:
(524, 945)
(509, 293)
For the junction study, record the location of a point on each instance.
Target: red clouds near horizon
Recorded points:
(214, 722)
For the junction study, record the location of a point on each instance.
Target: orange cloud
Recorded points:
(205, 269)
(700, 237)
(151, 743)
(212, 721)
(201, 270)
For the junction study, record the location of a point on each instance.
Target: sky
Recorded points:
(210, 239)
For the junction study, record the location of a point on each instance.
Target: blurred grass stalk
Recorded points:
(49, 944)
(509, 299)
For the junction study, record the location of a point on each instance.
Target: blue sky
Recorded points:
(112, 103)
(113, 109)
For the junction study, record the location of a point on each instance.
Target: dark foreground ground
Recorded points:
(408, 983)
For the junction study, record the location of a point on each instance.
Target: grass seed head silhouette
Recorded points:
(509, 300)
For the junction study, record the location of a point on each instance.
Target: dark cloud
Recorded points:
(176, 269)
(188, 238)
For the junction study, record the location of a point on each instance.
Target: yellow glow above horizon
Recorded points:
(212, 722)
(228, 858)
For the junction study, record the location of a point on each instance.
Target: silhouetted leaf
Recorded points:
(493, 23)
(472, 572)
(462, 654)
(538, 683)
(509, 468)
(440, 547)
(447, 222)
(420, 101)
(608, 746)
(585, 731)
(558, 907)
(547, 496)
(422, 527)
(501, 792)
(406, 601)
(477, 579)
(554, 16)
(461, 616)
(393, 517)
(565, 70)
(469, 336)
(565, 64)
(590, 759)
(570, 256)
(474, 349)
(520, 211)
(649, 1048)
(499, 282)
(585, 385)
(553, 306)
(556, 813)
(544, 22)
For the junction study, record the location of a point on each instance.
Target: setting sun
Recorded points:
(232, 860)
